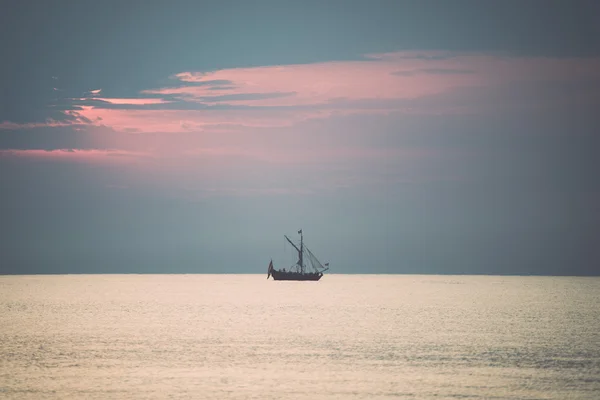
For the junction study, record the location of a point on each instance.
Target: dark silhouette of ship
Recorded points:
(298, 272)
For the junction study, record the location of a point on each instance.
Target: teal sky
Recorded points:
(401, 136)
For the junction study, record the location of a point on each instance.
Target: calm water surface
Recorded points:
(345, 337)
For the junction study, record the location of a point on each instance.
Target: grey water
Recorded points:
(344, 337)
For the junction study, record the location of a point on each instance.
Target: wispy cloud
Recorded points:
(130, 101)
(75, 119)
(77, 155)
(308, 84)
(285, 95)
(434, 71)
(220, 129)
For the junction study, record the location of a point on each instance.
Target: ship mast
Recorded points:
(299, 250)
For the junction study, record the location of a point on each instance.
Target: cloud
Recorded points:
(244, 97)
(74, 155)
(331, 125)
(306, 84)
(77, 120)
(173, 121)
(130, 101)
(434, 71)
(286, 95)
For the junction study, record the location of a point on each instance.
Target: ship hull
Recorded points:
(294, 276)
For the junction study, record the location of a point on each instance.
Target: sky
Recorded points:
(421, 137)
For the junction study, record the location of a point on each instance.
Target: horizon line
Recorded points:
(336, 274)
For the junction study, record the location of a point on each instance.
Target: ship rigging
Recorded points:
(299, 271)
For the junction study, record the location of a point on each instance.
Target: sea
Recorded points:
(344, 337)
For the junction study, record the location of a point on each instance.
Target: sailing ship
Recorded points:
(299, 271)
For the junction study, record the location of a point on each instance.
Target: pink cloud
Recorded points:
(287, 95)
(131, 101)
(313, 84)
(376, 78)
(31, 125)
(171, 121)
(282, 96)
(277, 129)
(253, 135)
(77, 155)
